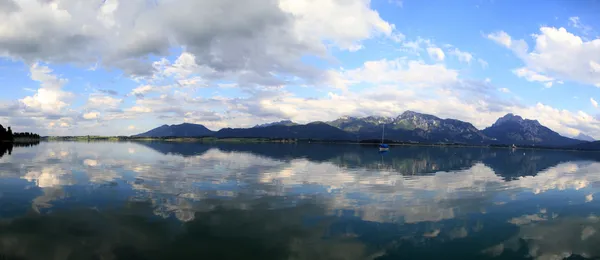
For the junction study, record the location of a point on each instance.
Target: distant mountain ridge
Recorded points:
(409, 126)
(282, 122)
(584, 137)
(181, 130)
(516, 130)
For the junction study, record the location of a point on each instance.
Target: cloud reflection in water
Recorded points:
(439, 194)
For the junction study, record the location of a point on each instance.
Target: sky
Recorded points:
(116, 67)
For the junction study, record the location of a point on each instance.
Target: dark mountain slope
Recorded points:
(282, 122)
(316, 131)
(182, 130)
(513, 129)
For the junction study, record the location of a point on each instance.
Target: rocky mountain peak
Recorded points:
(510, 117)
(282, 122)
(409, 113)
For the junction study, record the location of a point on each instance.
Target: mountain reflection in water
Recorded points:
(152, 200)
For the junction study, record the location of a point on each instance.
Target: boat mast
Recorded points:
(383, 133)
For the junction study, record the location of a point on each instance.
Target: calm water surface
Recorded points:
(69, 200)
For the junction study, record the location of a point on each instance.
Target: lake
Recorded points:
(153, 200)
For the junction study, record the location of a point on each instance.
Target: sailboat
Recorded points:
(383, 147)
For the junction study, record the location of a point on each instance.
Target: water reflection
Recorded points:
(6, 148)
(409, 160)
(298, 201)
(256, 232)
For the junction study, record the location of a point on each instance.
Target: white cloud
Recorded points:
(436, 53)
(526, 219)
(533, 76)
(594, 102)
(504, 90)
(327, 19)
(501, 37)
(91, 115)
(49, 98)
(258, 38)
(594, 67)
(49, 177)
(141, 90)
(399, 71)
(589, 198)
(530, 75)
(462, 56)
(99, 101)
(518, 46)
(90, 162)
(557, 54)
(575, 22)
(139, 109)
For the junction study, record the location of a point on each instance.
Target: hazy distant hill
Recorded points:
(182, 130)
(584, 137)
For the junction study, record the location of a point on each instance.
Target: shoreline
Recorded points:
(209, 140)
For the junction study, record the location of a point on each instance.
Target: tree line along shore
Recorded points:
(7, 135)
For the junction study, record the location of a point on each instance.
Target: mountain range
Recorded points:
(409, 126)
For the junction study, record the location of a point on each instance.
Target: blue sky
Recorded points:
(122, 67)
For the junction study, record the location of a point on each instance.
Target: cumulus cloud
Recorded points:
(557, 54)
(259, 37)
(49, 98)
(594, 102)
